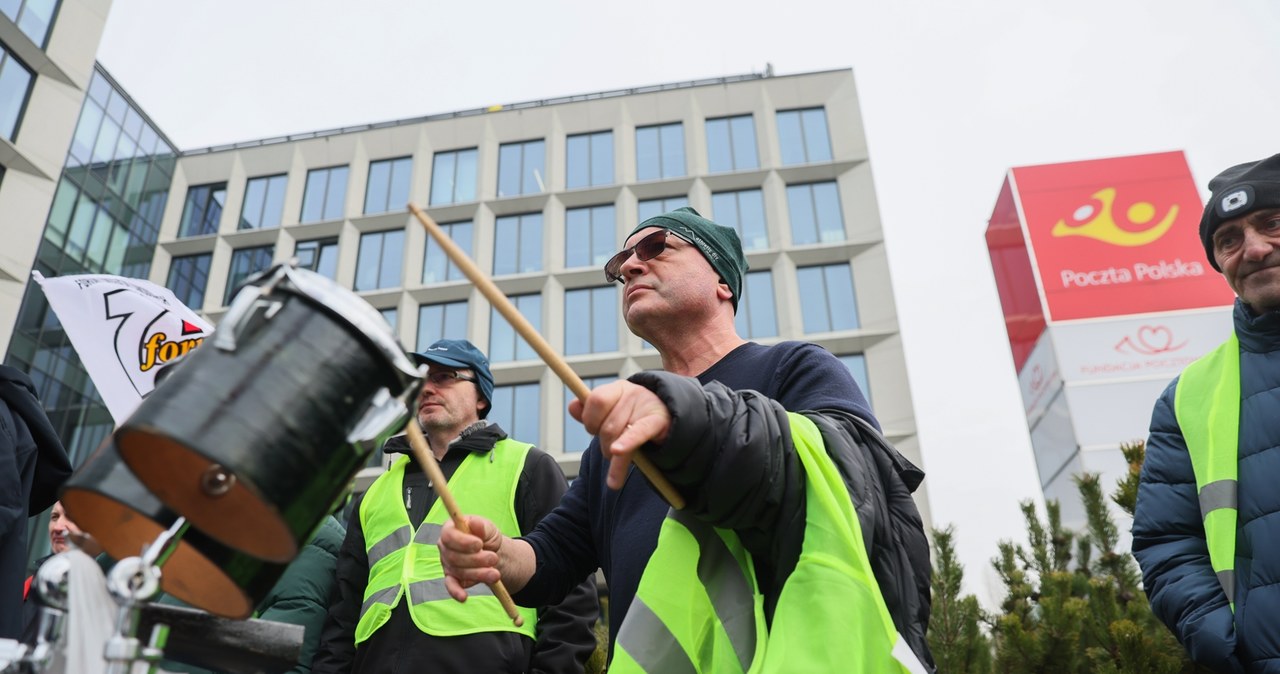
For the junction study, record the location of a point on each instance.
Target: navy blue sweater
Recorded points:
(617, 531)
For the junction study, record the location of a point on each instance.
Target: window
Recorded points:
(660, 152)
(590, 236)
(857, 364)
(263, 202)
(650, 207)
(325, 197)
(15, 88)
(731, 144)
(437, 267)
(453, 177)
(576, 438)
(380, 260)
(517, 246)
(743, 211)
(802, 135)
(203, 210)
(33, 17)
(505, 344)
(515, 409)
(827, 300)
(389, 315)
(521, 167)
(388, 188)
(94, 239)
(441, 321)
(318, 255)
(244, 263)
(756, 317)
(188, 277)
(588, 160)
(815, 213)
(591, 320)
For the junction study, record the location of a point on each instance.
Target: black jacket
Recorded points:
(729, 453)
(566, 637)
(33, 465)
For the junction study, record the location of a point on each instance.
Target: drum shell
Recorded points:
(105, 499)
(275, 412)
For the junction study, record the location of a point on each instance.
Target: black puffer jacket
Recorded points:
(758, 491)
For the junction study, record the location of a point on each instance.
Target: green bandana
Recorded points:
(719, 244)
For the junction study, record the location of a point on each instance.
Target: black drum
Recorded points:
(104, 499)
(261, 428)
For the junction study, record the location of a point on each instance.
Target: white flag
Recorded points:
(125, 330)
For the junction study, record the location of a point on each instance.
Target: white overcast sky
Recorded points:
(953, 94)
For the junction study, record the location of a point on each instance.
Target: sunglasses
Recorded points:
(645, 249)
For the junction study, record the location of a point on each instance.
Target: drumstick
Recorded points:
(535, 340)
(422, 454)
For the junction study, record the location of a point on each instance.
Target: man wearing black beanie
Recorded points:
(1206, 531)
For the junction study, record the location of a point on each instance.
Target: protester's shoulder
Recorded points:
(539, 465)
(329, 536)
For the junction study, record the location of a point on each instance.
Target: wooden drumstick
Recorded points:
(422, 454)
(535, 340)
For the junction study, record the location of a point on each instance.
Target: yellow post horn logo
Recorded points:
(1103, 227)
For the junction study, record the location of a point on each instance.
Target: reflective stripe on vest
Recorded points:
(1207, 406)
(406, 563)
(691, 615)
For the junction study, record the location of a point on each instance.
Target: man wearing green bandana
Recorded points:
(770, 566)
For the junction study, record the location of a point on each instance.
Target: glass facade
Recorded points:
(591, 320)
(742, 210)
(105, 219)
(441, 321)
(517, 244)
(516, 409)
(505, 344)
(388, 187)
(33, 17)
(802, 136)
(325, 197)
(188, 279)
(319, 255)
(660, 152)
(521, 167)
(648, 208)
(590, 236)
(453, 177)
(588, 160)
(15, 89)
(202, 210)
(437, 267)
(827, 298)
(245, 263)
(263, 202)
(731, 144)
(381, 260)
(815, 213)
(756, 317)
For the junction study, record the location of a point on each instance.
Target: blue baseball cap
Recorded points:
(462, 355)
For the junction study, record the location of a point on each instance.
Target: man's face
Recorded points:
(678, 282)
(1247, 250)
(59, 526)
(448, 403)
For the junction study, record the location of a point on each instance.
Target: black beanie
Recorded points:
(1237, 192)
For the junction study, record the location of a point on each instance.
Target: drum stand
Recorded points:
(131, 582)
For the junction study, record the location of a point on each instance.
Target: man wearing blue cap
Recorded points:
(769, 567)
(389, 611)
(1206, 530)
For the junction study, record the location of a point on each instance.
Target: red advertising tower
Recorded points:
(1107, 295)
